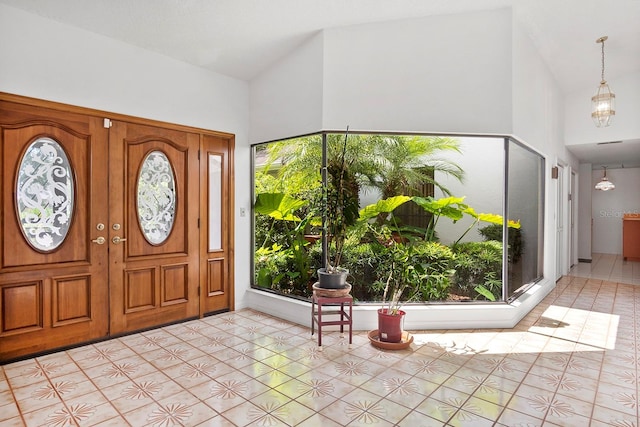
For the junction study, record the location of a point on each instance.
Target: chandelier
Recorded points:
(603, 106)
(605, 184)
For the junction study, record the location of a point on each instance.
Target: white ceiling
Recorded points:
(240, 38)
(613, 154)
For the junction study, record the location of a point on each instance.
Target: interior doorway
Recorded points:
(560, 221)
(573, 216)
(565, 187)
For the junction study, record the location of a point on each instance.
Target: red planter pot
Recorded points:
(390, 325)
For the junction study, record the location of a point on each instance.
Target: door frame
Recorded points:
(563, 221)
(211, 297)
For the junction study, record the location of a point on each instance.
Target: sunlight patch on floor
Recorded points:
(590, 328)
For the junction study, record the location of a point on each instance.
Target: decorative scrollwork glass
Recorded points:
(156, 197)
(45, 194)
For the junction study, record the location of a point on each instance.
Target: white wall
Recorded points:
(579, 127)
(537, 100)
(44, 59)
(421, 74)
(538, 117)
(286, 100)
(481, 160)
(48, 60)
(442, 73)
(608, 208)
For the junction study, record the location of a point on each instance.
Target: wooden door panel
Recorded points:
(16, 251)
(216, 285)
(71, 297)
(21, 307)
(139, 290)
(153, 283)
(174, 284)
(58, 297)
(216, 235)
(177, 152)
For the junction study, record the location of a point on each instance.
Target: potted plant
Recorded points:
(405, 275)
(402, 285)
(341, 204)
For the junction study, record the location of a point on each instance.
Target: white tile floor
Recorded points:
(573, 361)
(609, 267)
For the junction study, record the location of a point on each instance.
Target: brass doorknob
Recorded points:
(100, 240)
(118, 239)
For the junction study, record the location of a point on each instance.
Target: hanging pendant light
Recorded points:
(605, 184)
(603, 103)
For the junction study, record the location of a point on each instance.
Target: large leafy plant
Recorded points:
(282, 208)
(455, 209)
(404, 275)
(341, 201)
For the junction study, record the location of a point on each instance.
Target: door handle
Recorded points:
(118, 239)
(100, 240)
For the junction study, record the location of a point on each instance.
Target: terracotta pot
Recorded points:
(390, 325)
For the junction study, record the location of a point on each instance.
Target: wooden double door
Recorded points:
(109, 225)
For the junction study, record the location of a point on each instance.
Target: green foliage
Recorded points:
(380, 252)
(437, 261)
(455, 209)
(401, 164)
(494, 232)
(417, 271)
(478, 264)
(385, 206)
(283, 270)
(364, 261)
(285, 265)
(480, 289)
(341, 201)
(278, 206)
(269, 231)
(449, 207)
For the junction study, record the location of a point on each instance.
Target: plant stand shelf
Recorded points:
(339, 307)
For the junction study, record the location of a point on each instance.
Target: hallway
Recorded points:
(609, 267)
(573, 361)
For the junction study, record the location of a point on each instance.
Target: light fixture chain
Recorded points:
(602, 61)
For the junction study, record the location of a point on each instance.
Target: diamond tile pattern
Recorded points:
(573, 361)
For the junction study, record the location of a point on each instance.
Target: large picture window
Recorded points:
(457, 217)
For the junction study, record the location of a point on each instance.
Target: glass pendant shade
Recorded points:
(603, 105)
(605, 184)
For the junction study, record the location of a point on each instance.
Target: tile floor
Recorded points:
(573, 361)
(609, 267)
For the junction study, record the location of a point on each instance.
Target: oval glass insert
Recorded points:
(156, 197)
(45, 194)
